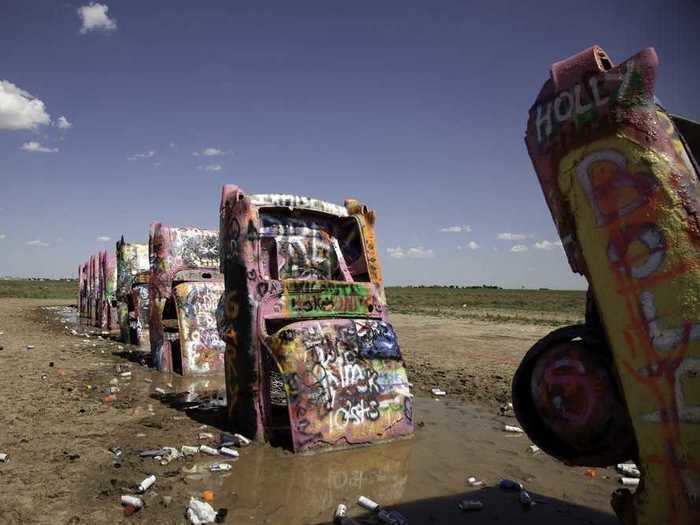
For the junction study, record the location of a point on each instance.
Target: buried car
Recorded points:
(184, 291)
(133, 276)
(619, 175)
(310, 352)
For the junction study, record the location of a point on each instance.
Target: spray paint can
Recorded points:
(241, 441)
(629, 470)
(220, 467)
(146, 483)
(189, 451)
(388, 518)
(132, 501)
(229, 452)
(629, 482)
(208, 450)
(341, 516)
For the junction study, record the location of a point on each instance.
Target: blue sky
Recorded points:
(417, 108)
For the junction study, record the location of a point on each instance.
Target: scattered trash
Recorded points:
(229, 452)
(30, 347)
(152, 453)
(526, 500)
(206, 435)
(208, 450)
(629, 482)
(387, 517)
(125, 374)
(506, 409)
(146, 484)
(148, 380)
(514, 430)
(509, 484)
(160, 391)
(473, 482)
(109, 398)
(341, 516)
(199, 512)
(208, 496)
(534, 449)
(220, 467)
(468, 505)
(132, 501)
(237, 440)
(169, 455)
(629, 469)
(167, 500)
(114, 381)
(4, 458)
(189, 451)
(438, 392)
(117, 456)
(590, 473)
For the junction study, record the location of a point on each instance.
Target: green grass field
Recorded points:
(35, 289)
(545, 307)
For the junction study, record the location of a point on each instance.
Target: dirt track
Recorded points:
(58, 429)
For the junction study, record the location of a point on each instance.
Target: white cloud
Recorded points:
(94, 17)
(211, 167)
(103, 238)
(209, 152)
(62, 123)
(145, 155)
(172, 144)
(19, 109)
(417, 252)
(511, 236)
(519, 248)
(473, 246)
(35, 147)
(546, 245)
(457, 229)
(2, 236)
(37, 242)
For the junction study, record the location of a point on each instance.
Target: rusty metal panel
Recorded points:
(177, 256)
(304, 293)
(623, 191)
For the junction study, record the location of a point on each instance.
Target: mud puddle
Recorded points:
(424, 477)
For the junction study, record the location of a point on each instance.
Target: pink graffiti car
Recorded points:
(185, 289)
(311, 356)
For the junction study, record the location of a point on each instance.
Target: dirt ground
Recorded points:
(471, 360)
(59, 423)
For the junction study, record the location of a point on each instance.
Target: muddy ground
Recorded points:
(58, 423)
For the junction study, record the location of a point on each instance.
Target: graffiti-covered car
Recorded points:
(619, 176)
(185, 288)
(133, 276)
(83, 290)
(107, 292)
(310, 350)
